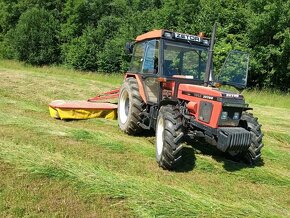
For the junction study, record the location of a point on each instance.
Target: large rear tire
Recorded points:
(130, 105)
(253, 154)
(169, 137)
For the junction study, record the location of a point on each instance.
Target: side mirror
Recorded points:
(129, 48)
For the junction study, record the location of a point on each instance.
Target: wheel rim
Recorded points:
(159, 136)
(124, 107)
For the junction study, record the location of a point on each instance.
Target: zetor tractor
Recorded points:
(170, 87)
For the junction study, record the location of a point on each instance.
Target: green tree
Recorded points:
(81, 52)
(112, 58)
(91, 34)
(269, 41)
(78, 14)
(35, 37)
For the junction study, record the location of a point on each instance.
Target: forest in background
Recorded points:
(91, 34)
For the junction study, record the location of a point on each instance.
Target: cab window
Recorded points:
(150, 63)
(184, 59)
(137, 59)
(145, 57)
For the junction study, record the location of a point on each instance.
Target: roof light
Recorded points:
(201, 34)
(217, 84)
(206, 42)
(168, 35)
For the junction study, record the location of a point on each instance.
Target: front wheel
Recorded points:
(169, 137)
(253, 154)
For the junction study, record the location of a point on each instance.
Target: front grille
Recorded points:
(233, 139)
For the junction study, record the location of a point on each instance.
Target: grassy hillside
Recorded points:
(90, 168)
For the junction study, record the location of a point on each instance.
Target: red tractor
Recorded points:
(170, 87)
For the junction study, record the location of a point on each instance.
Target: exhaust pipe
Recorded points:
(210, 56)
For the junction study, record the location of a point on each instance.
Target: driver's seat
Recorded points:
(167, 68)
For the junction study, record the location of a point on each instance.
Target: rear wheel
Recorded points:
(253, 154)
(129, 107)
(169, 137)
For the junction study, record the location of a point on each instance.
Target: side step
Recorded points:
(77, 110)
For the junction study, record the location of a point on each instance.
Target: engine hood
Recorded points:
(207, 92)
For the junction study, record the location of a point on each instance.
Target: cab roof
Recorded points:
(162, 33)
(150, 35)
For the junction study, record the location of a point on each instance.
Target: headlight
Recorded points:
(224, 115)
(236, 116)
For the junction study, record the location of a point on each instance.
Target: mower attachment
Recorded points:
(107, 95)
(92, 108)
(78, 110)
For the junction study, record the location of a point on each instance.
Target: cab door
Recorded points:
(150, 70)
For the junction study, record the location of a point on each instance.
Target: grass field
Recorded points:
(53, 168)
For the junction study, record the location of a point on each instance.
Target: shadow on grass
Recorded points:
(233, 165)
(146, 133)
(195, 146)
(230, 163)
(188, 162)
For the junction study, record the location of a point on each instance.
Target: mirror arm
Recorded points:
(210, 56)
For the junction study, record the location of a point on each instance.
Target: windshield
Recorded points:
(184, 59)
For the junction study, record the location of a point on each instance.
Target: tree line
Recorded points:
(91, 34)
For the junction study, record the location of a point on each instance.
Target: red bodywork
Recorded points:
(206, 93)
(140, 85)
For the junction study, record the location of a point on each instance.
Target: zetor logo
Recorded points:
(207, 97)
(187, 37)
(232, 95)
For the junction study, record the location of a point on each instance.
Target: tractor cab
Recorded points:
(166, 54)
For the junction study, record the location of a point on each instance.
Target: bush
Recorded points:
(88, 51)
(112, 57)
(7, 51)
(35, 37)
(81, 52)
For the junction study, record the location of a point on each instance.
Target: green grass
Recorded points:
(89, 168)
(271, 98)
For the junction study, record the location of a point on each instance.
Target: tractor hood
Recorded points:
(187, 91)
(208, 92)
